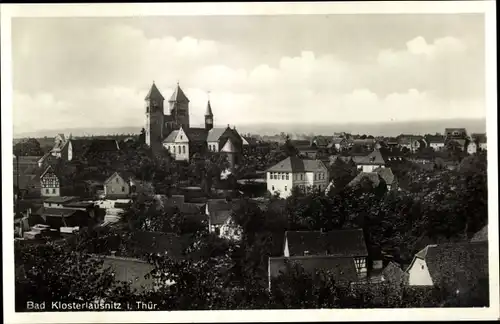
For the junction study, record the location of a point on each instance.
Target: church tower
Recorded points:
(179, 108)
(154, 117)
(209, 117)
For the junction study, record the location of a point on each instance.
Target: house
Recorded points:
(452, 266)
(342, 269)
(436, 142)
(296, 172)
(338, 143)
(77, 148)
(480, 140)
(392, 142)
(481, 236)
(367, 143)
(220, 221)
(340, 243)
(50, 183)
(471, 148)
(118, 185)
(305, 148)
(59, 201)
(455, 133)
(411, 142)
(64, 219)
(320, 143)
(370, 162)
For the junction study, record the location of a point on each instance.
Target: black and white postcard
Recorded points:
(214, 162)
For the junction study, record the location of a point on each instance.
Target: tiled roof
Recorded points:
(340, 243)
(457, 264)
(130, 270)
(320, 141)
(301, 143)
(58, 212)
(215, 133)
(481, 236)
(367, 141)
(250, 140)
(61, 200)
(296, 164)
(104, 145)
(171, 137)
(28, 159)
(220, 210)
(196, 134)
(338, 140)
(374, 158)
(371, 176)
(386, 174)
(435, 139)
(178, 95)
(343, 268)
(154, 93)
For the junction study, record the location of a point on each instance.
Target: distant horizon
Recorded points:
(391, 128)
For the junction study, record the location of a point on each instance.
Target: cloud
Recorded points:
(77, 77)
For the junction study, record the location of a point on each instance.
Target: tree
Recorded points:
(49, 272)
(28, 147)
(341, 173)
(142, 137)
(289, 148)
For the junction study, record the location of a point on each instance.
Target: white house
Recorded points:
(370, 162)
(471, 148)
(118, 185)
(296, 172)
(436, 142)
(452, 265)
(220, 221)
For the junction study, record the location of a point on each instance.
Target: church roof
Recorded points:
(208, 112)
(196, 134)
(215, 133)
(171, 137)
(154, 93)
(178, 95)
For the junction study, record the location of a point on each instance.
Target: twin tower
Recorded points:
(159, 125)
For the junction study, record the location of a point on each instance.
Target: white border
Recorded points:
(120, 10)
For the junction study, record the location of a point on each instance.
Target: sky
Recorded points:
(91, 72)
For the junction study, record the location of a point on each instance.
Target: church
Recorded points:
(173, 131)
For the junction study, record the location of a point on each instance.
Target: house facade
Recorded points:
(220, 222)
(370, 162)
(50, 184)
(296, 172)
(436, 142)
(117, 185)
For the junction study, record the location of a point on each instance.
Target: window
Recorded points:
(285, 188)
(272, 188)
(286, 177)
(46, 191)
(123, 189)
(301, 176)
(282, 176)
(184, 149)
(53, 191)
(117, 180)
(422, 267)
(181, 136)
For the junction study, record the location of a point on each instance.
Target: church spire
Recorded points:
(178, 95)
(208, 112)
(154, 93)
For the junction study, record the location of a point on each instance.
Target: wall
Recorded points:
(419, 274)
(370, 168)
(211, 146)
(53, 192)
(284, 187)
